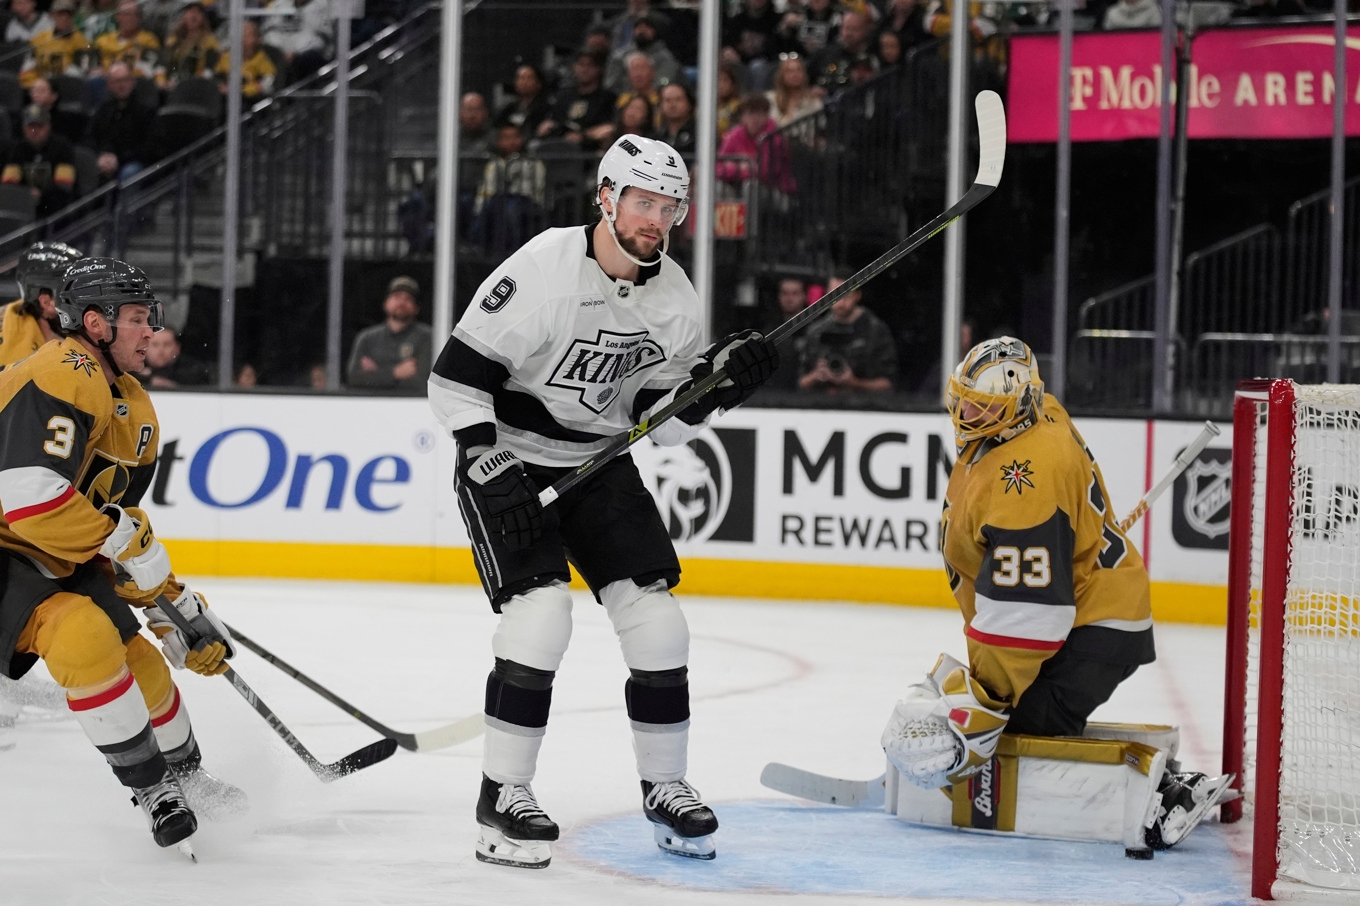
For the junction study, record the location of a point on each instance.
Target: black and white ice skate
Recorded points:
(1186, 798)
(514, 830)
(172, 821)
(683, 824)
(209, 796)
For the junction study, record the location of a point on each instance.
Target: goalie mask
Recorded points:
(40, 268)
(995, 391)
(650, 165)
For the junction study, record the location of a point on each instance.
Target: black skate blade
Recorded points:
(366, 757)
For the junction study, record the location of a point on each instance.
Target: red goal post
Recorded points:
(1292, 694)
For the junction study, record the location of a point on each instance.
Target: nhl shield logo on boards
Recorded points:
(1200, 501)
(595, 368)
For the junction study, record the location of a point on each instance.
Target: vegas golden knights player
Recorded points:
(1055, 597)
(78, 559)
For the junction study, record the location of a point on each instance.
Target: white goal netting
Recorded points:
(1319, 780)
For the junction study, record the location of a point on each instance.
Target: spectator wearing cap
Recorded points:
(621, 26)
(191, 50)
(584, 113)
(42, 161)
(530, 106)
(258, 72)
(25, 22)
(120, 130)
(645, 41)
(53, 52)
(396, 354)
(129, 42)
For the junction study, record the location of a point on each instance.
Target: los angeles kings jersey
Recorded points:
(1036, 560)
(70, 443)
(20, 334)
(554, 357)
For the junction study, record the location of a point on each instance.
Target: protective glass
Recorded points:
(667, 212)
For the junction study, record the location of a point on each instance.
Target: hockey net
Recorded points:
(1292, 709)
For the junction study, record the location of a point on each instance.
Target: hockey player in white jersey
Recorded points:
(578, 336)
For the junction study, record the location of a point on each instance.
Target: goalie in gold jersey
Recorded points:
(1055, 598)
(77, 446)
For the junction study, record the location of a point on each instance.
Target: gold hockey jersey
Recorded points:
(1036, 560)
(20, 334)
(69, 444)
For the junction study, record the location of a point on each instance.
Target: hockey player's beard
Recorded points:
(632, 246)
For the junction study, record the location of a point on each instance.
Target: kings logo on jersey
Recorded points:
(1200, 500)
(595, 368)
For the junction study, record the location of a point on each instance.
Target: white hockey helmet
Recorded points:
(645, 163)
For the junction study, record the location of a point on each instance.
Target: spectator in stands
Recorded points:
(677, 119)
(246, 376)
(584, 112)
(396, 354)
(129, 42)
(906, 19)
(42, 161)
(621, 26)
(1133, 14)
(635, 117)
(889, 49)
(26, 22)
(852, 350)
(306, 36)
(984, 24)
(863, 67)
(530, 106)
(191, 50)
(69, 125)
(792, 97)
(666, 68)
(474, 133)
(752, 33)
(54, 51)
(258, 73)
(598, 41)
(43, 94)
(768, 161)
(811, 28)
(641, 83)
(94, 17)
(832, 64)
(121, 129)
(159, 16)
(511, 171)
(792, 298)
(729, 96)
(167, 366)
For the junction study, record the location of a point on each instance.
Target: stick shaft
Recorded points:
(1188, 455)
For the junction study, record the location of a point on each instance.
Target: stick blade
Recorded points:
(444, 737)
(867, 794)
(991, 117)
(366, 757)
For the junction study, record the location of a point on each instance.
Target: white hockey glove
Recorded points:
(135, 553)
(945, 729)
(209, 652)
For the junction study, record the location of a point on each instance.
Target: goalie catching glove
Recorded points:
(140, 560)
(206, 654)
(504, 496)
(945, 729)
(748, 360)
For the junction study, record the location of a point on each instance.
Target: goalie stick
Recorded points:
(784, 778)
(991, 117)
(368, 756)
(439, 738)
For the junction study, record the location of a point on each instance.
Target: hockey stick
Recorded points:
(439, 738)
(1180, 465)
(820, 788)
(368, 756)
(991, 117)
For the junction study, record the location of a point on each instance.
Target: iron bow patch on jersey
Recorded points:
(79, 360)
(1016, 475)
(597, 367)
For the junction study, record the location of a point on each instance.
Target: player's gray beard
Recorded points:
(629, 245)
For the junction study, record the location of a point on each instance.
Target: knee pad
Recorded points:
(535, 627)
(651, 628)
(153, 675)
(77, 641)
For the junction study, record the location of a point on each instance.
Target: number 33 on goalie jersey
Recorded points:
(1036, 560)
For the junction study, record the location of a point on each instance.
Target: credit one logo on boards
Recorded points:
(244, 466)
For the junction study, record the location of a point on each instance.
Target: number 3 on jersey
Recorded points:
(1032, 566)
(63, 437)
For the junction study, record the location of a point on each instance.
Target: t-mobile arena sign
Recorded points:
(1244, 83)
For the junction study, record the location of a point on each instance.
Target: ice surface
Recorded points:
(806, 684)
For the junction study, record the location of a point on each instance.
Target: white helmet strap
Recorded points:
(609, 216)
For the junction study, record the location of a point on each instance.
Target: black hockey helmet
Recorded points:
(106, 284)
(41, 267)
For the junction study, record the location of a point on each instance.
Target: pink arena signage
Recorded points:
(1245, 83)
